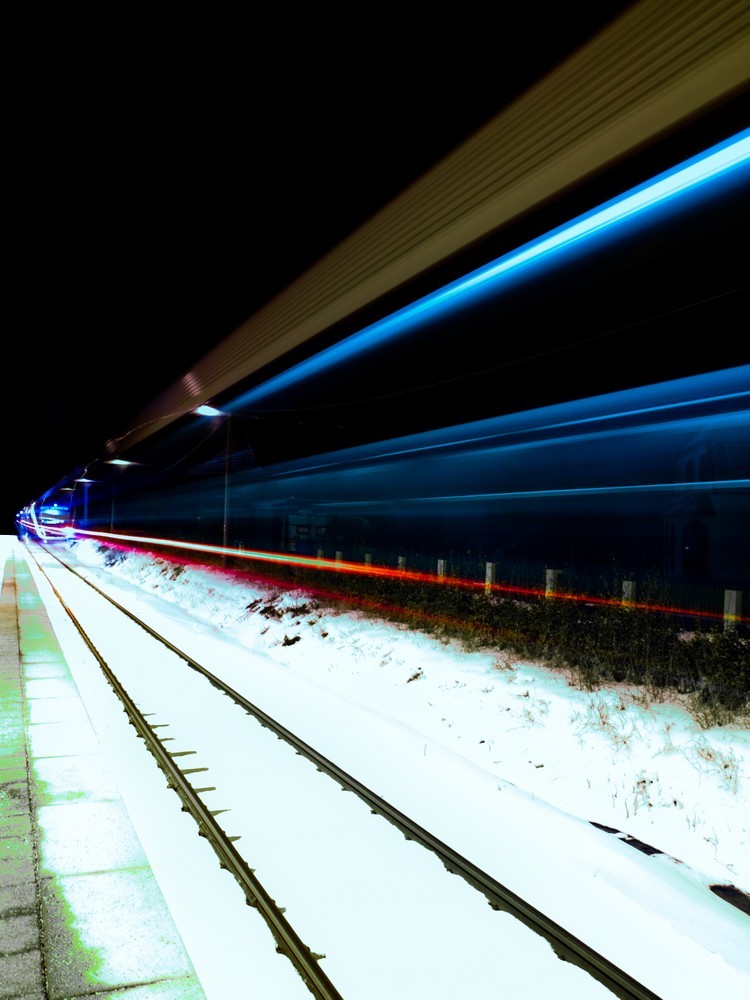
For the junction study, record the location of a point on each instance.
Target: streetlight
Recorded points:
(211, 411)
(86, 483)
(115, 461)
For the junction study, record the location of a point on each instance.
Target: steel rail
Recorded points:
(566, 945)
(288, 941)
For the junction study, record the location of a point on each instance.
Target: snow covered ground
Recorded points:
(557, 759)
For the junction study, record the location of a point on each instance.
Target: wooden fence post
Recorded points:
(552, 580)
(732, 608)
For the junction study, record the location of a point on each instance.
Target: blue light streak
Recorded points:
(693, 404)
(576, 491)
(709, 169)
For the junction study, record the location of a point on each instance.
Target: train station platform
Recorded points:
(81, 912)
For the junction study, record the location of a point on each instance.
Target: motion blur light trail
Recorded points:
(613, 480)
(673, 190)
(619, 456)
(579, 491)
(645, 483)
(698, 404)
(366, 569)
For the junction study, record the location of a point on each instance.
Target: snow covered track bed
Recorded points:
(177, 779)
(337, 869)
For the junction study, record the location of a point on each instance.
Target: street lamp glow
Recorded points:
(204, 410)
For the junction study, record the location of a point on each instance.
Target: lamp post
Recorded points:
(69, 507)
(115, 461)
(211, 411)
(85, 483)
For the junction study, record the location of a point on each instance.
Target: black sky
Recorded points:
(166, 182)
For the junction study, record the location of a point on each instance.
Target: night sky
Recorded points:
(167, 181)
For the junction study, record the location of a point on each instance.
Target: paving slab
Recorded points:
(81, 912)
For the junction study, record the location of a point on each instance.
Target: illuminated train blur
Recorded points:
(647, 479)
(567, 290)
(652, 480)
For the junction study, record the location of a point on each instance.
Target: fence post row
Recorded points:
(552, 582)
(732, 598)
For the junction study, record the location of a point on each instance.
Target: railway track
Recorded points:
(169, 697)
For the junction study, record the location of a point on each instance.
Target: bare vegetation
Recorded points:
(656, 657)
